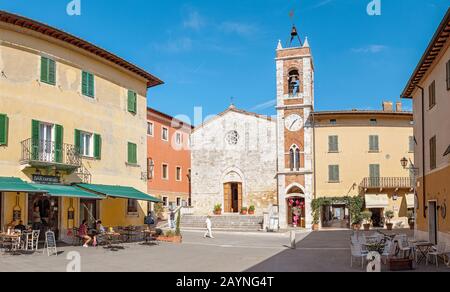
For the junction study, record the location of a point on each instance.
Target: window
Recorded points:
(150, 168)
(165, 171)
(165, 134)
(178, 201)
(432, 94)
(88, 144)
(178, 177)
(374, 143)
(373, 122)
(3, 129)
(295, 156)
(178, 138)
(132, 102)
(374, 175)
(433, 153)
(294, 83)
(48, 71)
(132, 206)
(87, 84)
(333, 144)
(333, 173)
(150, 128)
(333, 122)
(165, 201)
(132, 153)
(412, 144)
(448, 75)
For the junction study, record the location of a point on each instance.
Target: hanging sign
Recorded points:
(46, 179)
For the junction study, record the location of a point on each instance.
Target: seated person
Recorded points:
(20, 226)
(83, 234)
(100, 228)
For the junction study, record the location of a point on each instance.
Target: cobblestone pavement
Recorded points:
(326, 251)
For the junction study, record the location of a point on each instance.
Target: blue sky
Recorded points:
(208, 51)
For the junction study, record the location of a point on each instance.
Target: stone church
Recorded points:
(240, 159)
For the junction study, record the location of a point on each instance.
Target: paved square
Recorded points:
(326, 251)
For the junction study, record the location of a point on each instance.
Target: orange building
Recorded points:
(168, 158)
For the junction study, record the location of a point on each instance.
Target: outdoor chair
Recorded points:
(439, 252)
(27, 241)
(404, 246)
(35, 239)
(358, 252)
(76, 239)
(388, 252)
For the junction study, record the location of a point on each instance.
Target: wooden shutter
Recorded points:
(227, 198)
(374, 143)
(132, 153)
(77, 140)
(240, 197)
(433, 153)
(44, 69)
(35, 139)
(333, 173)
(333, 144)
(3, 129)
(51, 72)
(59, 134)
(412, 144)
(132, 101)
(84, 83)
(97, 146)
(91, 85)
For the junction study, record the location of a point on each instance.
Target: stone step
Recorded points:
(231, 222)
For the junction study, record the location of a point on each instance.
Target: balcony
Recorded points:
(44, 154)
(387, 183)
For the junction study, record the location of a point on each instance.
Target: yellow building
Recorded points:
(358, 153)
(70, 113)
(429, 87)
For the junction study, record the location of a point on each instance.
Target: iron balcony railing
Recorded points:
(48, 152)
(388, 182)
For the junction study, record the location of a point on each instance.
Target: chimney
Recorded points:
(388, 106)
(398, 107)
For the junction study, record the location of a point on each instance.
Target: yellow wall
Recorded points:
(354, 157)
(24, 98)
(9, 202)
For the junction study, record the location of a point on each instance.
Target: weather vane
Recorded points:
(294, 32)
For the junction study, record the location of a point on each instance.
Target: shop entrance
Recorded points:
(377, 217)
(88, 211)
(43, 214)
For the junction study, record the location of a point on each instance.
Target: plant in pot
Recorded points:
(316, 221)
(218, 209)
(367, 217)
(411, 220)
(389, 216)
(251, 210)
(244, 211)
(356, 222)
(159, 211)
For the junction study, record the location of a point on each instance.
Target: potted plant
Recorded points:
(389, 216)
(159, 211)
(411, 220)
(367, 217)
(356, 222)
(316, 221)
(244, 211)
(218, 209)
(251, 210)
(171, 236)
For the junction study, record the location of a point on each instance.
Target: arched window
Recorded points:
(294, 82)
(295, 158)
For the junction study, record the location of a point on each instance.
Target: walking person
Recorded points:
(208, 232)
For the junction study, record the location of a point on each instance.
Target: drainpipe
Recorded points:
(423, 153)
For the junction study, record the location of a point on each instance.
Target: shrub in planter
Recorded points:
(389, 216)
(367, 217)
(218, 209)
(159, 211)
(251, 210)
(244, 211)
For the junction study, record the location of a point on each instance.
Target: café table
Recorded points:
(423, 248)
(111, 237)
(10, 240)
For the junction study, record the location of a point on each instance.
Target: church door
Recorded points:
(232, 197)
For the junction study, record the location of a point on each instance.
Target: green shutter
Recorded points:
(87, 84)
(132, 153)
(374, 143)
(77, 140)
(333, 144)
(44, 69)
(91, 85)
(97, 146)
(51, 72)
(35, 139)
(59, 143)
(3, 129)
(132, 101)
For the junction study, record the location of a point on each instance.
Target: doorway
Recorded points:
(377, 217)
(432, 222)
(232, 197)
(43, 214)
(88, 212)
(47, 139)
(296, 212)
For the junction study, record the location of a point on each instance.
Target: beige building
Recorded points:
(70, 113)
(358, 153)
(429, 87)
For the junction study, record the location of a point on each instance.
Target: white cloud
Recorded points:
(372, 49)
(239, 28)
(175, 45)
(265, 105)
(194, 21)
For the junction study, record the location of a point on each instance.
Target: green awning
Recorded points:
(119, 192)
(67, 191)
(13, 184)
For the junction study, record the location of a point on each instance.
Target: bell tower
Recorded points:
(295, 103)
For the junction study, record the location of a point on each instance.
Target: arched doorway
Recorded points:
(296, 208)
(232, 197)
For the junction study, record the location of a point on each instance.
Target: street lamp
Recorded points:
(404, 162)
(151, 167)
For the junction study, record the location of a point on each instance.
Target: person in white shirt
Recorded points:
(208, 232)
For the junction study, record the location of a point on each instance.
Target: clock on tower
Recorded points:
(295, 103)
